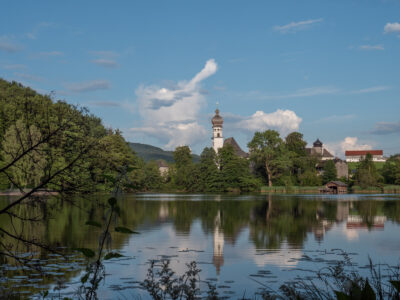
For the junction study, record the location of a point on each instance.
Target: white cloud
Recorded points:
(15, 67)
(104, 103)
(349, 143)
(104, 53)
(8, 45)
(372, 89)
(304, 92)
(89, 86)
(108, 63)
(296, 26)
(284, 121)
(336, 118)
(51, 53)
(35, 31)
(308, 92)
(371, 47)
(28, 77)
(171, 114)
(392, 28)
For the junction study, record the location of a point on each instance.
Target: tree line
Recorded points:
(54, 145)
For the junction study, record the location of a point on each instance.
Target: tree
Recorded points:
(391, 170)
(299, 158)
(366, 174)
(186, 175)
(210, 176)
(295, 143)
(330, 172)
(235, 171)
(268, 149)
(28, 170)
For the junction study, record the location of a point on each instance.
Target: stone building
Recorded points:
(342, 169)
(318, 150)
(162, 167)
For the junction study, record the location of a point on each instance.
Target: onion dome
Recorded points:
(217, 120)
(317, 143)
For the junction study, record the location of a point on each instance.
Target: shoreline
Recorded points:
(19, 193)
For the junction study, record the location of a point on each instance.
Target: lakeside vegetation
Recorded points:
(69, 150)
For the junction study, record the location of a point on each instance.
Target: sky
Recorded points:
(157, 69)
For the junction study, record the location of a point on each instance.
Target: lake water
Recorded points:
(240, 242)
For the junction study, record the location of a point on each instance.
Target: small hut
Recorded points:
(335, 187)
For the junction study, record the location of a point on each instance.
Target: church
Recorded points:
(318, 148)
(218, 139)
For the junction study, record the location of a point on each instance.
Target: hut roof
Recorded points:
(338, 183)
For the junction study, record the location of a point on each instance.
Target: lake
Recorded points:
(240, 242)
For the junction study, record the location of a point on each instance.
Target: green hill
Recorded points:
(148, 152)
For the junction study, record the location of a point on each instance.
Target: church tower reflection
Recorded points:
(218, 256)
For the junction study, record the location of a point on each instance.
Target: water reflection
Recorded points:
(255, 230)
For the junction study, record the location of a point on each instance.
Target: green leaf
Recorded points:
(341, 296)
(85, 251)
(112, 201)
(93, 223)
(368, 293)
(109, 178)
(396, 284)
(125, 230)
(112, 255)
(130, 169)
(85, 278)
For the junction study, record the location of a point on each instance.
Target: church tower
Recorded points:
(218, 140)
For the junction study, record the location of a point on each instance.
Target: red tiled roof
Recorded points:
(363, 152)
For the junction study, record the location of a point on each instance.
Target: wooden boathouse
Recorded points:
(334, 187)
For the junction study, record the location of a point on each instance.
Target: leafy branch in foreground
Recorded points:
(339, 282)
(95, 272)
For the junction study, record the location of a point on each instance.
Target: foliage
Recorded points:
(27, 171)
(56, 145)
(296, 144)
(186, 175)
(330, 172)
(333, 282)
(162, 283)
(391, 170)
(268, 149)
(366, 174)
(210, 176)
(309, 178)
(235, 171)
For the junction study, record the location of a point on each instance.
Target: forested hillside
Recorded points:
(58, 146)
(148, 153)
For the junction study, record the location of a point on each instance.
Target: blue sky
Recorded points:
(155, 69)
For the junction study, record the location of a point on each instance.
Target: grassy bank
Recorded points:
(291, 189)
(387, 189)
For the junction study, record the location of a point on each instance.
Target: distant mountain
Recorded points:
(149, 152)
